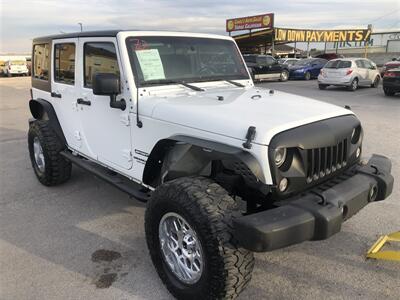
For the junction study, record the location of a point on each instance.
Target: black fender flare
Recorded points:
(43, 110)
(218, 150)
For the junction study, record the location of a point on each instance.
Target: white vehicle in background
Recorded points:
(349, 72)
(15, 67)
(288, 61)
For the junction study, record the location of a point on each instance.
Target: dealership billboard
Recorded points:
(310, 35)
(265, 21)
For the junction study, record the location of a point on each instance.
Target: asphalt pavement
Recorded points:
(85, 239)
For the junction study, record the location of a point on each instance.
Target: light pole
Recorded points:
(80, 24)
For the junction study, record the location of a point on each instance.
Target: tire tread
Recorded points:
(204, 198)
(57, 168)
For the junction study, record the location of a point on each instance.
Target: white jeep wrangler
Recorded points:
(226, 168)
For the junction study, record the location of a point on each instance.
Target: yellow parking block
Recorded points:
(375, 252)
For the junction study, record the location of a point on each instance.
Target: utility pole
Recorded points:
(80, 24)
(366, 42)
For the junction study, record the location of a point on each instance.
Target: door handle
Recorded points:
(83, 102)
(55, 95)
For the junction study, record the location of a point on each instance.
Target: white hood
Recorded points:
(242, 108)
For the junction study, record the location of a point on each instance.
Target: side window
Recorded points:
(359, 64)
(270, 60)
(261, 60)
(41, 61)
(64, 63)
(100, 57)
(368, 64)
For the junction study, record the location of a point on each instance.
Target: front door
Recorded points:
(274, 66)
(64, 87)
(105, 131)
(371, 71)
(363, 72)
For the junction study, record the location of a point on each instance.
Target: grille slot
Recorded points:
(326, 160)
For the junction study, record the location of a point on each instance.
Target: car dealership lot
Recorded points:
(85, 239)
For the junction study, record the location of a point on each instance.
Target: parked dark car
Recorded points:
(266, 67)
(307, 68)
(391, 82)
(329, 56)
(394, 63)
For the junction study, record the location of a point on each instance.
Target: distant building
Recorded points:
(280, 50)
(284, 51)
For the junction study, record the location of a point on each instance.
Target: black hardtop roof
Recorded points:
(99, 33)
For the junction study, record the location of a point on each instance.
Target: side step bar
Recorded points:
(132, 188)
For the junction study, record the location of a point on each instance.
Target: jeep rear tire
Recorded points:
(193, 216)
(322, 86)
(44, 150)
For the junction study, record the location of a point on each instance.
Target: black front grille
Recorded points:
(326, 160)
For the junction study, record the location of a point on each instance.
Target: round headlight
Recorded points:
(279, 156)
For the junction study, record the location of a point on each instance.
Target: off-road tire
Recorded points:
(307, 76)
(353, 85)
(322, 86)
(210, 210)
(376, 81)
(57, 169)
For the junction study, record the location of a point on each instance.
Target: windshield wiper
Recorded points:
(220, 79)
(234, 83)
(160, 82)
(195, 88)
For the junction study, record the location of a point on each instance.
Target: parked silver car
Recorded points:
(350, 72)
(288, 61)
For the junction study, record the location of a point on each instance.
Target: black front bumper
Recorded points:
(318, 214)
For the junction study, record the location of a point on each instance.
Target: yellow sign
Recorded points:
(310, 35)
(248, 23)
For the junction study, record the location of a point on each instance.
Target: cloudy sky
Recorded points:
(21, 20)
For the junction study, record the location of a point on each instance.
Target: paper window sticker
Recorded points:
(151, 64)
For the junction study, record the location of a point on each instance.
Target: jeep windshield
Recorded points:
(159, 60)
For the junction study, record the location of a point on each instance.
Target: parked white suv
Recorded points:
(226, 168)
(15, 67)
(349, 72)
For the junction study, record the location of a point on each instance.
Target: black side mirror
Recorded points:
(107, 84)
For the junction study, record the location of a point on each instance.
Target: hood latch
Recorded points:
(250, 135)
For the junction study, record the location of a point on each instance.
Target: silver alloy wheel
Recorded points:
(284, 75)
(354, 84)
(38, 154)
(181, 248)
(376, 81)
